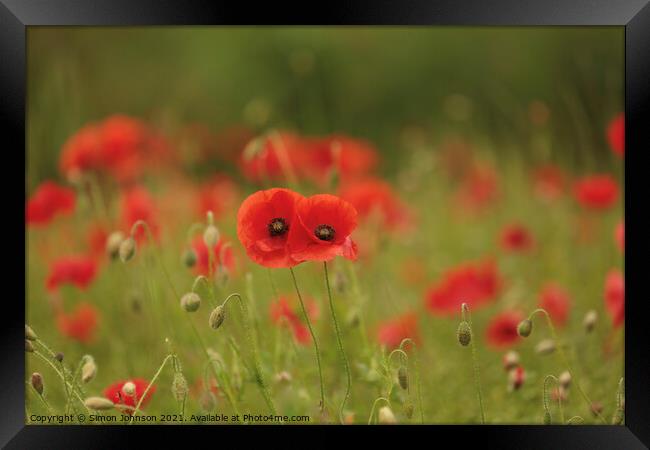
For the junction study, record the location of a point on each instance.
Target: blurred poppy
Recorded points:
(616, 134)
(502, 329)
(475, 283)
(516, 238)
(96, 238)
(264, 221)
(80, 324)
(479, 188)
(325, 223)
(392, 332)
(615, 297)
(549, 182)
(516, 378)
(217, 195)
(556, 301)
(222, 257)
(48, 201)
(597, 192)
(79, 271)
(375, 198)
(619, 235)
(282, 313)
(274, 157)
(137, 204)
(115, 393)
(349, 158)
(82, 151)
(122, 146)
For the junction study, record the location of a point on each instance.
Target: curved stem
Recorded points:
(477, 374)
(313, 338)
(40, 355)
(417, 374)
(374, 405)
(339, 342)
(146, 391)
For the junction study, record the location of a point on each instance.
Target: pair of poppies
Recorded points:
(281, 228)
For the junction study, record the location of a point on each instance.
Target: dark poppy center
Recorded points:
(278, 226)
(324, 232)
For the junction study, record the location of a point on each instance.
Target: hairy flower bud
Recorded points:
(128, 389)
(29, 333)
(525, 327)
(37, 382)
(179, 387)
(59, 357)
(127, 249)
(547, 417)
(386, 416)
(217, 317)
(189, 258)
(510, 360)
(98, 403)
(190, 302)
(590, 320)
(88, 370)
(113, 243)
(565, 379)
(545, 347)
(210, 236)
(464, 334)
(408, 410)
(28, 346)
(402, 376)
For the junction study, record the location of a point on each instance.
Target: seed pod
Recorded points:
(408, 410)
(179, 387)
(98, 403)
(189, 258)
(510, 360)
(386, 416)
(113, 243)
(37, 382)
(464, 334)
(127, 249)
(545, 347)
(59, 357)
(403, 377)
(128, 389)
(525, 327)
(190, 302)
(590, 320)
(565, 379)
(210, 236)
(28, 346)
(88, 370)
(207, 400)
(547, 417)
(217, 317)
(29, 333)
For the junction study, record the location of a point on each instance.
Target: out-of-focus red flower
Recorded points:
(82, 151)
(47, 201)
(479, 188)
(556, 301)
(80, 324)
(274, 157)
(122, 146)
(549, 182)
(516, 378)
(116, 394)
(597, 192)
(79, 271)
(502, 329)
(197, 387)
(348, 157)
(392, 332)
(264, 222)
(619, 235)
(475, 283)
(616, 134)
(615, 296)
(323, 229)
(217, 195)
(96, 238)
(516, 238)
(222, 256)
(374, 198)
(137, 204)
(283, 313)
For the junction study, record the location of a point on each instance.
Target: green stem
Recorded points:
(44, 358)
(477, 373)
(374, 405)
(417, 374)
(146, 391)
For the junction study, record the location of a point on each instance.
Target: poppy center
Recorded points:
(324, 232)
(278, 226)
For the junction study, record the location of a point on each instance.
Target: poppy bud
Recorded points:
(545, 347)
(37, 382)
(510, 360)
(386, 416)
(283, 377)
(127, 249)
(29, 333)
(589, 321)
(464, 334)
(28, 346)
(547, 417)
(98, 403)
(59, 357)
(88, 370)
(524, 328)
(408, 410)
(207, 400)
(217, 316)
(190, 302)
(113, 244)
(128, 389)
(565, 379)
(189, 258)
(179, 387)
(402, 376)
(210, 236)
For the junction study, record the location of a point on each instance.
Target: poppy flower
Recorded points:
(349, 158)
(479, 188)
(115, 393)
(282, 313)
(597, 192)
(273, 157)
(556, 301)
(222, 256)
(375, 198)
(264, 221)
(616, 135)
(619, 235)
(217, 195)
(549, 182)
(325, 223)
(516, 238)
(392, 332)
(79, 271)
(502, 329)
(122, 145)
(96, 238)
(82, 151)
(137, 204)
(475, 283)
(48, 201)
(80, 324)
(615, 297)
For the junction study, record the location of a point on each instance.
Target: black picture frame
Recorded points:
(633, 15)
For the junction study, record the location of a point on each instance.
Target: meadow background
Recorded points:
(428, 99)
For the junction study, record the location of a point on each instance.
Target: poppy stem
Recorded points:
(313, 338)
(146, 391)
(547, 407)
(374, 405)
(477, 372)
(417, 373)
(56, 369)
(339, 342)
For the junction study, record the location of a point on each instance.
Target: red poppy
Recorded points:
(549, 182)
(222, 256)
(375, 198)
(96, 238)
(80, 324)
(115, 393)
(47, 201)
(325, 223)
(596, 192)
(79, 271)
(619, 235)
(122, 145)
(516, 238)
(282, 313)
(137, 204)
(479, 188)
(81, 152)
(475, 283)
(273, 157)
(556, 301)
(218, 195)
(392, 332)
(348, 157)
(197, 388)
(616, 134)
(502, 329)
(615, 296)
(264, 221)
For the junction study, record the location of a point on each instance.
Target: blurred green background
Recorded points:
(371, 82)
